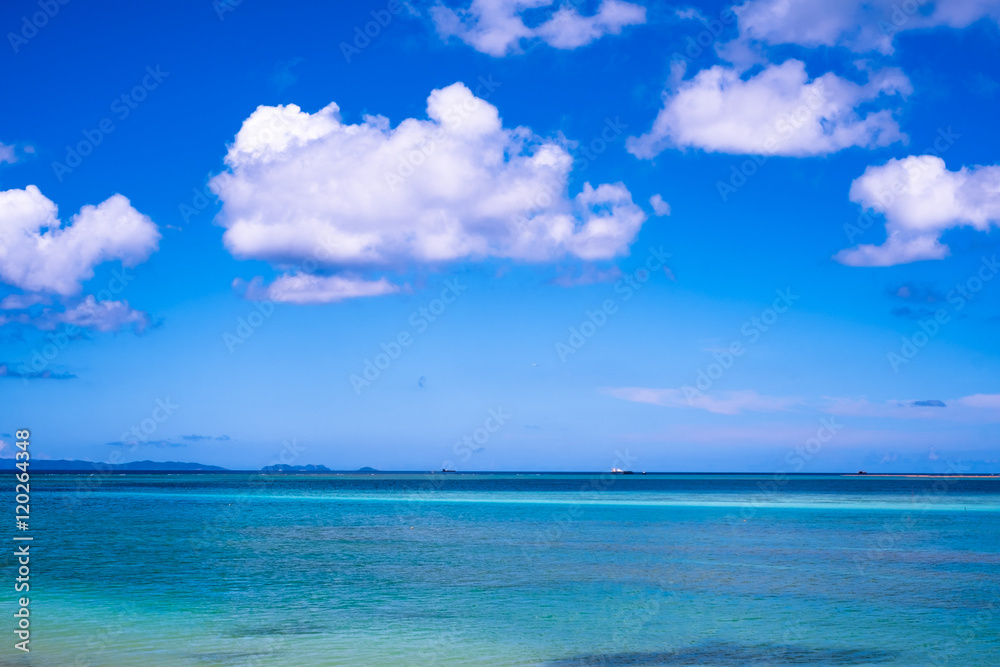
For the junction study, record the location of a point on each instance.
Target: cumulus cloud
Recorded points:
(311, 195)
(304, 288)
(660, 207)
(47, 259)
(60, 258)
(498, 27)
(723, 403)
(860, 25)
(778, 111)
(921, 199)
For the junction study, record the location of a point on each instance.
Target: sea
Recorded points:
(506, 569)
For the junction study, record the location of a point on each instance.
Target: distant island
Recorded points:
(77, 466)
(65, 465)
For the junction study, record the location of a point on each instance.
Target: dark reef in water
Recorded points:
(725, 653)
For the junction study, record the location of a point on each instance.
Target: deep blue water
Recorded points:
(248, 569)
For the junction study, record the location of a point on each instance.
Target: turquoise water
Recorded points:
(510, 570)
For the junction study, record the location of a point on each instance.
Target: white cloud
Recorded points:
(920, 199)
(41, 256)
(58, 259)
(7, 153)
(304, 288)
(978, 408)
(102, 316)
(660, 207)
(89, 313)
(22, 301)
(984, 401)
(308, 191)
(723, 403)
(860, 25)
(497, 27)
(778, 111)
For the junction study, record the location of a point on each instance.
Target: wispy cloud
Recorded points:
(978, 408)
(8, 371)
(588, 275)
(723, 403)
(918, 293)
(7, 154)
(159, 444)
(283, 76)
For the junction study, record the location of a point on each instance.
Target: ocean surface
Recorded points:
(508, 569)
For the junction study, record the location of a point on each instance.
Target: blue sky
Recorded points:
(751, 237)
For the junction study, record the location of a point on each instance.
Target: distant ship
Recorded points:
(619, 471)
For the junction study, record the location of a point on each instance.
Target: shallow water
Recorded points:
(511, 569)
